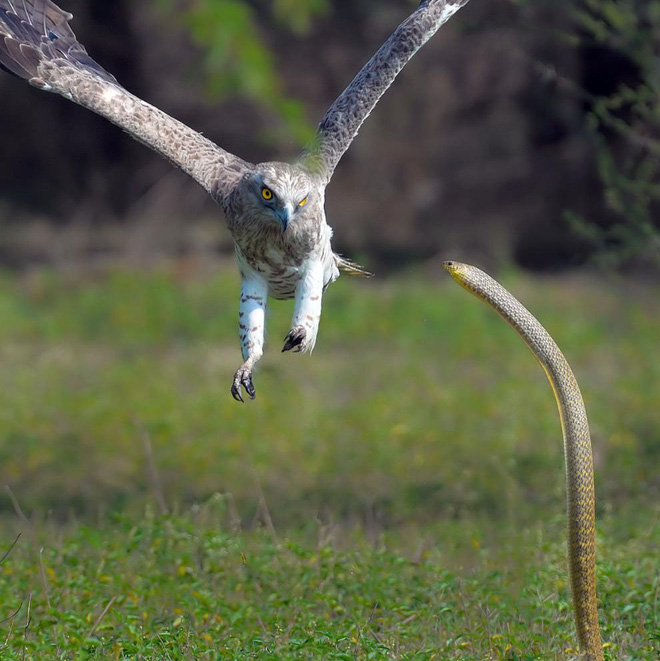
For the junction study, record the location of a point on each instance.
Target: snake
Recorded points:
(580, 491)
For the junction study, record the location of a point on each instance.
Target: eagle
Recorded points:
(275, 211)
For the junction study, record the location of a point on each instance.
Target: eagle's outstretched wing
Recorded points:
(345, 116)
(37, 44)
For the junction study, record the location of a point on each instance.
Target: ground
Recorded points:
(398, 495)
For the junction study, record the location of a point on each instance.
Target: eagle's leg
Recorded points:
(252, 324)
(307, 311)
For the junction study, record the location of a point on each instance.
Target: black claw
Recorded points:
(294, 339)
(243, 379)
(249, 386)
(236, 394)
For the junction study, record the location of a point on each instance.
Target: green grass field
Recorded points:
(398, 495)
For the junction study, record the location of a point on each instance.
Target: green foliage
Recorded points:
(238, 62)
(629, 166)
(298, 14)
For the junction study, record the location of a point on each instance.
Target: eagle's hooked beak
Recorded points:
(284, 216)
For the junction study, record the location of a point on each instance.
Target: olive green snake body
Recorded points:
(577, 447)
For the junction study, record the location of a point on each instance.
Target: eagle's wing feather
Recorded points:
(37, 44)
(346, 115)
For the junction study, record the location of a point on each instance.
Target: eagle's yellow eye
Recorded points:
(267, 194)
(302, 203)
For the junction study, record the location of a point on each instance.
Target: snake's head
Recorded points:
(469, 277)
(457, 270)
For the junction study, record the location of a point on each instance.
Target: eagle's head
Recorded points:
(278, 193)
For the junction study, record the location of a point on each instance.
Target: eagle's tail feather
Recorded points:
(349, 267)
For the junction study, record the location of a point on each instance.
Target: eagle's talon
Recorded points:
(243, 378)
(295, 339)
(249, 387)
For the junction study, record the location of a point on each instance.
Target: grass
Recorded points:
(397, 496)
(192, 586)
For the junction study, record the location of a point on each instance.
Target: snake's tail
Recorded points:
(581, 552)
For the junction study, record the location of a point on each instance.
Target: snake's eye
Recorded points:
(302, 203)
(267, 194)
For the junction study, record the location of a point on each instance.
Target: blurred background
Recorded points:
(523, 138)
(525, 131)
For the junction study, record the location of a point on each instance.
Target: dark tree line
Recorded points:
(525, 129)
